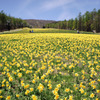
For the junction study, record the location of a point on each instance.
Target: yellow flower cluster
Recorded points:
(55, 91)
(40, 87)
(50, 66)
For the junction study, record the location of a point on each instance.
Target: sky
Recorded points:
(47, 9)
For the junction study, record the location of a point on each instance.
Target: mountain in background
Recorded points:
(38, 23)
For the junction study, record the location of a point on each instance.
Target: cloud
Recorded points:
(66, 15)
(49, 5)
(28, 14)
(57, 9)
(62, 16)
(23, 5)
(72, 10)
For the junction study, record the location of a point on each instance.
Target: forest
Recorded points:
(7, 22)
(87, 22)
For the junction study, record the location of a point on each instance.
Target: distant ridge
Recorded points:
(38, 23)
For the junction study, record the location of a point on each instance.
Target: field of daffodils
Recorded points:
(49, 66)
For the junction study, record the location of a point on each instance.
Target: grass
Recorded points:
(50, 66)
(45, 30)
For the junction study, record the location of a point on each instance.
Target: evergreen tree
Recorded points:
(87, 22)
(8, 22)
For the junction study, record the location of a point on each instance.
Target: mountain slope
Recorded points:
(38, 23)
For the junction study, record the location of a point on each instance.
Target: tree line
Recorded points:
(8, 22)
(87, 22)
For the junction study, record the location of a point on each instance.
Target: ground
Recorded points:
(49, 66)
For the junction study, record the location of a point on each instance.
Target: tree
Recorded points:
(75, 22)
(79, 22)
(3, 20)
(87, 22)
(8, 22)
(98, 21)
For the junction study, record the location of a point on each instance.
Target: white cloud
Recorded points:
(22, 6)
(28, 14)
(66, 15)
(48, 5)
(62, 16)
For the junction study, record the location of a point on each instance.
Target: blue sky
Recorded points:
(47, 9)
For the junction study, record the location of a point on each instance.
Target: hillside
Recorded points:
(38, 23)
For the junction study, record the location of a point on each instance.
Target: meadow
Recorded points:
(49, 65)
(44, 30)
